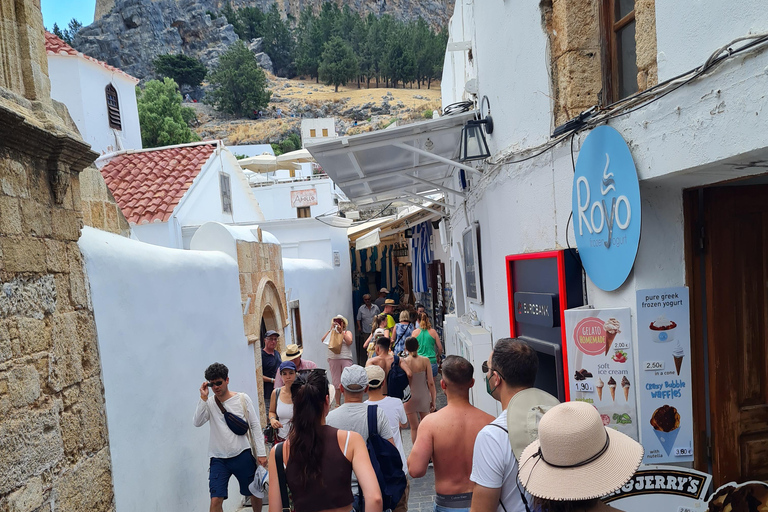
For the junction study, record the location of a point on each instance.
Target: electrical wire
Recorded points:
(458, 108)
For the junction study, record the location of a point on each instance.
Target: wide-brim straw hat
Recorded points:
(341, 317)
(576, 457)
(292, 352)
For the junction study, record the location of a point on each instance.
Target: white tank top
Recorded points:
(284, 416)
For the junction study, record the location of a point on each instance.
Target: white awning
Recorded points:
(369, 240)
(405, 164)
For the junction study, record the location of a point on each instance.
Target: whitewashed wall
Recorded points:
(322, 289)
(80, 84)
(162, 316)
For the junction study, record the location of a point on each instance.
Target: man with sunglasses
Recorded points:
(230, 454)
(510, 373)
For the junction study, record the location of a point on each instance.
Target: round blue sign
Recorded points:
(606, 208)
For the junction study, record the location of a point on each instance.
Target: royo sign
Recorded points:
(606, 208)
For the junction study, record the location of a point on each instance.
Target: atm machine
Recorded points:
(540, 287)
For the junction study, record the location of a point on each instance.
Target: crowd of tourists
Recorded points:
(351, 457)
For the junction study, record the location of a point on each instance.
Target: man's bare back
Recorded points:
(448, 437)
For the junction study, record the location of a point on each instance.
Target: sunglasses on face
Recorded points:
(217, 383)
(487, 368)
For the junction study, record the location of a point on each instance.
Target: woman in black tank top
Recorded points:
(319, 459)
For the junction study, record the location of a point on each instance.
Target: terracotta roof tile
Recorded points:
(149, 184)
(55, 46)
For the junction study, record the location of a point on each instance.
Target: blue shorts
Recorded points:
(434, 369)
(242, 466)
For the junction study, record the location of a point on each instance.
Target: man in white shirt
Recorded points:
(230, 453)
(511, 368)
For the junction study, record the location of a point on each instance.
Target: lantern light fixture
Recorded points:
(473, 143)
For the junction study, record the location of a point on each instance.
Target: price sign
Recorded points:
(651, 366)
(686, 509)
(584, 387)
(683, 452)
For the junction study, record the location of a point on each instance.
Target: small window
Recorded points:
(619, 50)
(312, 132)
(302, 212)
(226, 193)
(296, 325)
(325, 132)
(113, 108)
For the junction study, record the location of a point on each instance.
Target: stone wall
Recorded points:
(573, 27)
(54, 454)
(100, 210)
(262, 287)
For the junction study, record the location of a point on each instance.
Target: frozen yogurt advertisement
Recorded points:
(601, 368)
(664, 357)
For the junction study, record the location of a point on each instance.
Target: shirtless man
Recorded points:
(385, 359)
(448, 437)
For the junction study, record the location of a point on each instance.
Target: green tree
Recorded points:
(161, 116)
(239, 84)
(183, 69)
(338, 64)
(68, 34)
(233, 19)
(252, 23)
(278, 42)
(308, 44)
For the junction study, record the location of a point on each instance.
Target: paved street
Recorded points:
(422, 489)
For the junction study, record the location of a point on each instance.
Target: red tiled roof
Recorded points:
(148, 185)
(55, 46)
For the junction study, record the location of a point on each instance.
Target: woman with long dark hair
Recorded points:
(319, 459)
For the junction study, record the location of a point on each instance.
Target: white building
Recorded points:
(167, 193)
(317, 130)
(696, 134)
(100, 98)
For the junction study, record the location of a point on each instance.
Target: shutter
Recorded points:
(113, 108)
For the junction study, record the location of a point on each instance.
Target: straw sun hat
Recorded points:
(576, 457)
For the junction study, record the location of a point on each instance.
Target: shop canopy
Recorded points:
(409, 163)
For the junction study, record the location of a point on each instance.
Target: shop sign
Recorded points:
(606, 208)
(666, 394)
(306, 197)
(601, 364)
(662, 488)
(536, 309)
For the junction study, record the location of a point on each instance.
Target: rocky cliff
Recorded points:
(130, 34)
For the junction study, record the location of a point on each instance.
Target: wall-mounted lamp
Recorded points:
(473, 144)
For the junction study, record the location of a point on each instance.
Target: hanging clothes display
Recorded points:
(422, 256)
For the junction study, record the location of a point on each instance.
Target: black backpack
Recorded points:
(387, 464)
(397, 380)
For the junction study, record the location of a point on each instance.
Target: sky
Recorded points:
(61, 11)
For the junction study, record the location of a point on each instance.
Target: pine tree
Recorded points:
(183, 69)
(162, 119)
(338, 64)
(239, 84)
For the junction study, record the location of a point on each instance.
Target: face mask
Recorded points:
(488, 386)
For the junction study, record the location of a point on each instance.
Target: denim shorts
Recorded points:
(242, 466)
(434, 369)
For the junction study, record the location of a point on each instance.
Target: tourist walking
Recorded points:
(353, 414)
(381, 298)
(563, 475)
(403, 331)
(281, 408)
(423, 391)
(448, 438)
(509, 375)
(341, 338)
(429, 342)
(393, 408)
(389, 308)
(270, 361)
(380, 330)
(385, 359)
(365, 315)
(293, 353)
(318, 458)
(229, 452)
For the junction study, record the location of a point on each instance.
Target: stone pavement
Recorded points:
(422, 492)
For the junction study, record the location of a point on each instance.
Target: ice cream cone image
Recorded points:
(666, 425)
(625, 387)
(611, 328)
(599, 388)
(612, 388)
(678, 354)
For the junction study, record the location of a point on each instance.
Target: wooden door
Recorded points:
(736, 270)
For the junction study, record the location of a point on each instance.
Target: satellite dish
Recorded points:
(471, 86)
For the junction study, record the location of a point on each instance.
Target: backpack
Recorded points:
(397, 380)
(387, 464)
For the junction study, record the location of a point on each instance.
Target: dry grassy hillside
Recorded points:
(356, 110)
